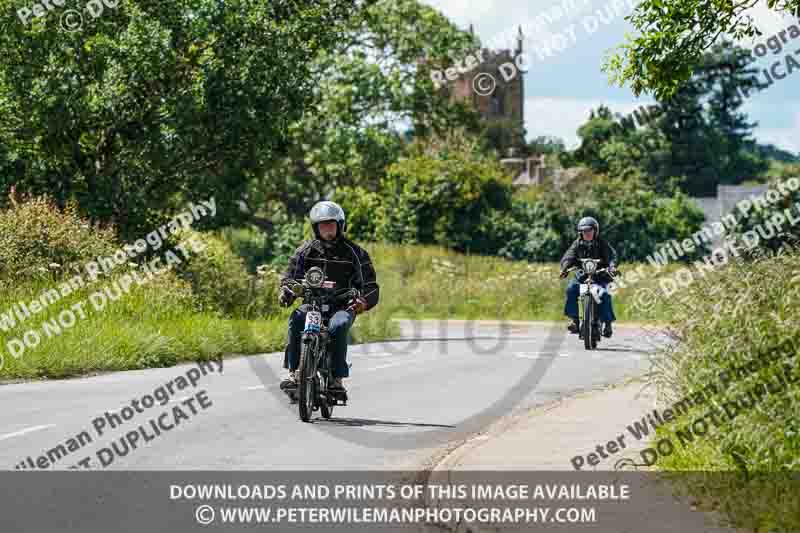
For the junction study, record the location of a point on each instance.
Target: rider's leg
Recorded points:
(606, 313)
(339, 327)
(606, 309)
(571, 305)
(297, 322)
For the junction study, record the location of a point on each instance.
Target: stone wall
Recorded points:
(725, 202)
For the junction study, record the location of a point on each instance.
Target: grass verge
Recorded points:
(162, 323)
(736, 447)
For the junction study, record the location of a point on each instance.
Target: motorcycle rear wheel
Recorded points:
(326, 408)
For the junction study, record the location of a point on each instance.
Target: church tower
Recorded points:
(496, 89)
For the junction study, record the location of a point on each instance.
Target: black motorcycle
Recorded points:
(315, 372)
(589, 301)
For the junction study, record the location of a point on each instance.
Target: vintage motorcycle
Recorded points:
(589, 301)
(315, 371)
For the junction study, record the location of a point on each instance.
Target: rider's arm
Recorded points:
(370, 290)
(295, 270)
(569, 256)
(610, 254)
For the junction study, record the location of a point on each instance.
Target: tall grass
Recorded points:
(745, 312)
(433, 282)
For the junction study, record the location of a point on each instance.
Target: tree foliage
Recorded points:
(698, 139)
(154, 104)
(674, 35)
(436, 195)
(376, 78)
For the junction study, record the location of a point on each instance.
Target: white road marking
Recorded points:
(533, 355)
(255, 387)
(25, 431)
(388, 365)
(370, 354)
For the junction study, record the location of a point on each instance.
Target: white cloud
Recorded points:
(786, 138)
(497, 22)
(462, 12)
(768, 21)
(562, 117)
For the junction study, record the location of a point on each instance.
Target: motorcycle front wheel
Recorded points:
(305, 382)
(326, 408)
(586, 325)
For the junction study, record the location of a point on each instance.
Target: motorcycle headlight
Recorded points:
(315, 276)
(589, 266)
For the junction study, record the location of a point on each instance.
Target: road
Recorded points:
(409, 400)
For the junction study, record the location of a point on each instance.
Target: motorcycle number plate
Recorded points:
(325, 307)
(584, 288)
(313, 321)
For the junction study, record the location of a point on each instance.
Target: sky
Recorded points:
(563, 85)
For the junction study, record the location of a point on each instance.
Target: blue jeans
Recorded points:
(571, 307)
(339, 326)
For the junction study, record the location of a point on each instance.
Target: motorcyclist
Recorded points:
(589, 244)
(344, 262)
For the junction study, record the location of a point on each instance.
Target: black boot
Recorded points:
(290, 383)
(607, 330)
(574, 327)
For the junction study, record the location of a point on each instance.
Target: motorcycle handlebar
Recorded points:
(342, 294)
(615, 274)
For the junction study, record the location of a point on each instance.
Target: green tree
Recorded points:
(698, 139)
(546, 144)
(440, 193)
(501, 135)
(674, 35)
(153, 104)
(375, 78)
(594, 133)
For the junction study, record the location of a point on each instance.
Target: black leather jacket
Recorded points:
(344, 262)
(597, 248)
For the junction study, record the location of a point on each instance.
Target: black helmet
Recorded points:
(326, 210)
(587, 223)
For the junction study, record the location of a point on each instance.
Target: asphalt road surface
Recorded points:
(408, 399)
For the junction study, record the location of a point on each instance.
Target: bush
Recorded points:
(535, 231)
(633, 219)
(249, 244)
(440, 194)
(637, 220)
(222, 284)
(38, 240)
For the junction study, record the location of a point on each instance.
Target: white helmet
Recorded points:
(327, 210)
